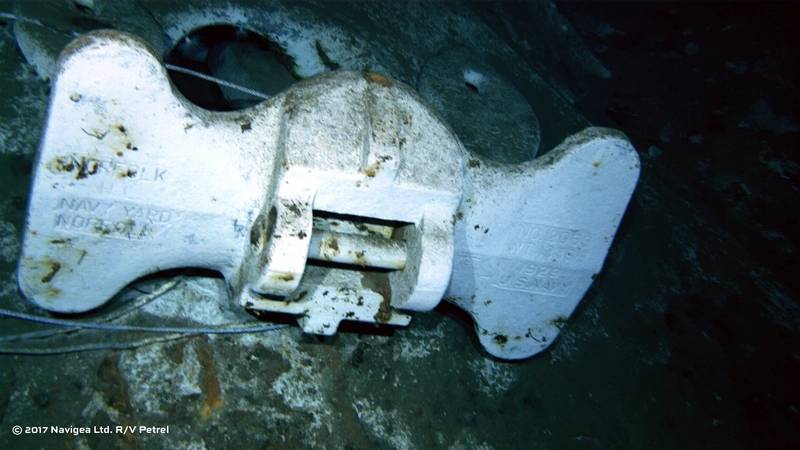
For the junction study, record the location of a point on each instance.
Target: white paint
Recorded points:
(533, 237)
(130, 190)
(128, 183)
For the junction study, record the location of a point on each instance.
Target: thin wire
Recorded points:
(219, 81)
(143, 300)
(172, 67)
(75, 326)
(138, 303)
(5, 15)
(225, 329)
(237, 329)
(93, 346)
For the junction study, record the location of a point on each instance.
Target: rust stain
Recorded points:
(113, 386)
(285, 276)
(54, 266)
(378, 79)
(384, 313)
(294, 209)
(330, 247)
(129, 173)
(61, 164)
(559, 322)
(372, 169)
(361, 259)
(82, 166)
(86, 167)
(209, 383)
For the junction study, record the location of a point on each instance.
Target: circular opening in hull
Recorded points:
(208, 64)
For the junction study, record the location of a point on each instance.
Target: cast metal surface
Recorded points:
(348, 170)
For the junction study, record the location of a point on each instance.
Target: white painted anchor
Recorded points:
(343, 198)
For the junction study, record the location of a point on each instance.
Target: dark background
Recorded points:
(714, 87)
